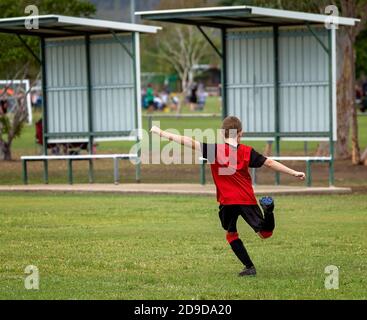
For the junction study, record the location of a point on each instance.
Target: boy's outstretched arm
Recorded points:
(186, 141)
(277, 166)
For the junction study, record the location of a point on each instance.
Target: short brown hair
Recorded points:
(231, 123)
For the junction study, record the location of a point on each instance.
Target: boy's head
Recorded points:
(232, 127)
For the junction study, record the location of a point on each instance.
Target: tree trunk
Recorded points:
(268, 149)
(6, 151)
(364, 157)
(323, 149)
(345, 99)
(356, 151)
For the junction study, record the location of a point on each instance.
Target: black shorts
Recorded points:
(252, 214)
(193, 99)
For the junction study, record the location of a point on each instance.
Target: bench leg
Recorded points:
(138, 170)
(91, 172)
(24, 172)
(308, 174)
(116, 170)
(70, 171)
(277, 178)
(331, 174)
(45, 171)
(202, 174)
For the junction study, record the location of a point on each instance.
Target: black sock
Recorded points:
(241, 253)
(269, 223)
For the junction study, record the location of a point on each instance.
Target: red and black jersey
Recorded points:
(229, 166)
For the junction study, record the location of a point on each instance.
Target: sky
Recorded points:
(119, 10)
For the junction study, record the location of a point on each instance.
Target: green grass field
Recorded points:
(163, 247)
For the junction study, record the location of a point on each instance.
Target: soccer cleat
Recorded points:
(267, 203)
(248, 272)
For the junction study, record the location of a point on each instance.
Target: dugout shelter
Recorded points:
(278, 70)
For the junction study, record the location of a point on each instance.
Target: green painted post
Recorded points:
(70, 171)
(224, 74)
(305, 147)
(90, 108)
(202, 173)
(308, 174)
(331, 124)
(150, 124)
(44, 109)
(138, 164)
(24, 172)
(276, 97)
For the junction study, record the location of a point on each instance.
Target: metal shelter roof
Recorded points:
(65, 26)
(241, 16)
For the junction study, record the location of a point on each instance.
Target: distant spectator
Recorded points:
(364, 96)
(193, 99)
(3, 107)
(201, 95)
(149, 98)
(175, 104)
(158, 103)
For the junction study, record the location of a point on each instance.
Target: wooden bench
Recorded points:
(308, 160)
(70, 159)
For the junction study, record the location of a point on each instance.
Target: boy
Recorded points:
(229, 165)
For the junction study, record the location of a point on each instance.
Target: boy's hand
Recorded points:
(299, 175)
(155, 130)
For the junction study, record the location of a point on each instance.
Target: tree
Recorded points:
(11, 124)
(13, 53)
(15, 60)
(347, 37)
(179, 47)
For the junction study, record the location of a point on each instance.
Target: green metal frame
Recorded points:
(331, 142)
(90, 135)
(35, 56)
(210, 42)
(277, 135)
(224, 73)
(44, 108)
(276, 97)
(70, 175)
(90, 110)
(132, 56)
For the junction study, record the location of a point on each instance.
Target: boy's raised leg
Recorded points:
(267, 204)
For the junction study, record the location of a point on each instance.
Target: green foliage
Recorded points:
(13, 53)
(308, 5)
(361, 51)
(5, 125)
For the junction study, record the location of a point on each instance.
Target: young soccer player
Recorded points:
(229, 166)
